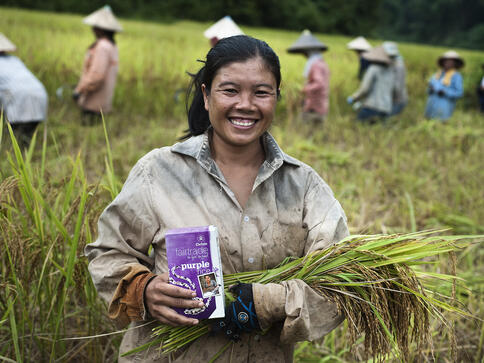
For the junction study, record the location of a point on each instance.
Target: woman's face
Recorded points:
(448, 64)
(241, 103)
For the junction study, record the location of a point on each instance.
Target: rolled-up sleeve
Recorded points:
(126, 230)
(306, 314)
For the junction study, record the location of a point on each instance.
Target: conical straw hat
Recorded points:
(306, 42)
(104, 19)
(359, 43)
(451, 54)
(391, 48)
(6, 45)
(223, 28)
(377, 55)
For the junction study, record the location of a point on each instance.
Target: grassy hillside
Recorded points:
(409, 174)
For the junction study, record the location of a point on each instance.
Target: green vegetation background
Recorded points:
(409, 174)
(445, 22)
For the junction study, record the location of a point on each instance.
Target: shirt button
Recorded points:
(246, 218)
(251, 259)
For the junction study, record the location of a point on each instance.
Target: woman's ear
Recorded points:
(205, 93)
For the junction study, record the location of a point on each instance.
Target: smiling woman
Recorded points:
(229, 173)
(242, 103)
(241, 106)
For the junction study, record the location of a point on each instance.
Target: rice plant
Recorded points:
(376, 282)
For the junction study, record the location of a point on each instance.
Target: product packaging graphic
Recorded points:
(194, 263)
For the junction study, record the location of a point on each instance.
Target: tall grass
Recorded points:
(409, 174)
(44, 228)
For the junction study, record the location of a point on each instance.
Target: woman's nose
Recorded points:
(245, 101)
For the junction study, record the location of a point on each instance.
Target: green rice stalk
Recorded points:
(13, 330)
(375, 281)
(112, 181)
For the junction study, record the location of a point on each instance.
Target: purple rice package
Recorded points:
(194, 263)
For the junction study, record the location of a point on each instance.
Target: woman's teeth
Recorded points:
(242, 122)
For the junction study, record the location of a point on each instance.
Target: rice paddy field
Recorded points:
(406, 175)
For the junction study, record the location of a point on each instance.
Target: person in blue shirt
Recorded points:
(445, 87)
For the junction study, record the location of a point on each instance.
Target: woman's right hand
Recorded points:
(161, 297)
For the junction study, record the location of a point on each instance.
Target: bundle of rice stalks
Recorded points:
(376, 282)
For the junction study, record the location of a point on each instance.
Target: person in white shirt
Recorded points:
(23, 98)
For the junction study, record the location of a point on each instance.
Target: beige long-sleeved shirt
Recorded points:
(98, 78)
(377, 88)
(290, 212)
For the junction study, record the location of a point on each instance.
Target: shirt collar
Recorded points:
(198, 147)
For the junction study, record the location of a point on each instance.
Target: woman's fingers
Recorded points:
(175, 291)
(161, 284)
(169, 316)
(161, 297)
(158, 297)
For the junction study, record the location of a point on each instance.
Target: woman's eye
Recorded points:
(230, 90)
(262, 93)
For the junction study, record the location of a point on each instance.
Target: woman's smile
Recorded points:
(241, 122)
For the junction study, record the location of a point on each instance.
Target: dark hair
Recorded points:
(108, 34)
(239, 48)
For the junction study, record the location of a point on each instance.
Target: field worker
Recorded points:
(377, 87)
(316, 72)
(445, 87)
(94, 92)
(229, 173)
(223, 28)
(400, 97)
(360, 45)
(480, 91)
(23, 98)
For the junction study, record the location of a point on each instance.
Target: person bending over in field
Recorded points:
(400, 95)
(374, 97)
(94, 92)
(23, 97)
(229, 172)
(360, 45)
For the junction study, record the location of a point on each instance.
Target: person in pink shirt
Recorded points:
(94, 92)
(316, 72)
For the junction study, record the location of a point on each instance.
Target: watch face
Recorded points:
(243, 317)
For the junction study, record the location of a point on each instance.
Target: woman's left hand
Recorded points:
(240, 315)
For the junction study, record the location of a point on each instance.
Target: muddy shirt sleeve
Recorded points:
(306, 314)
(120, 255)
